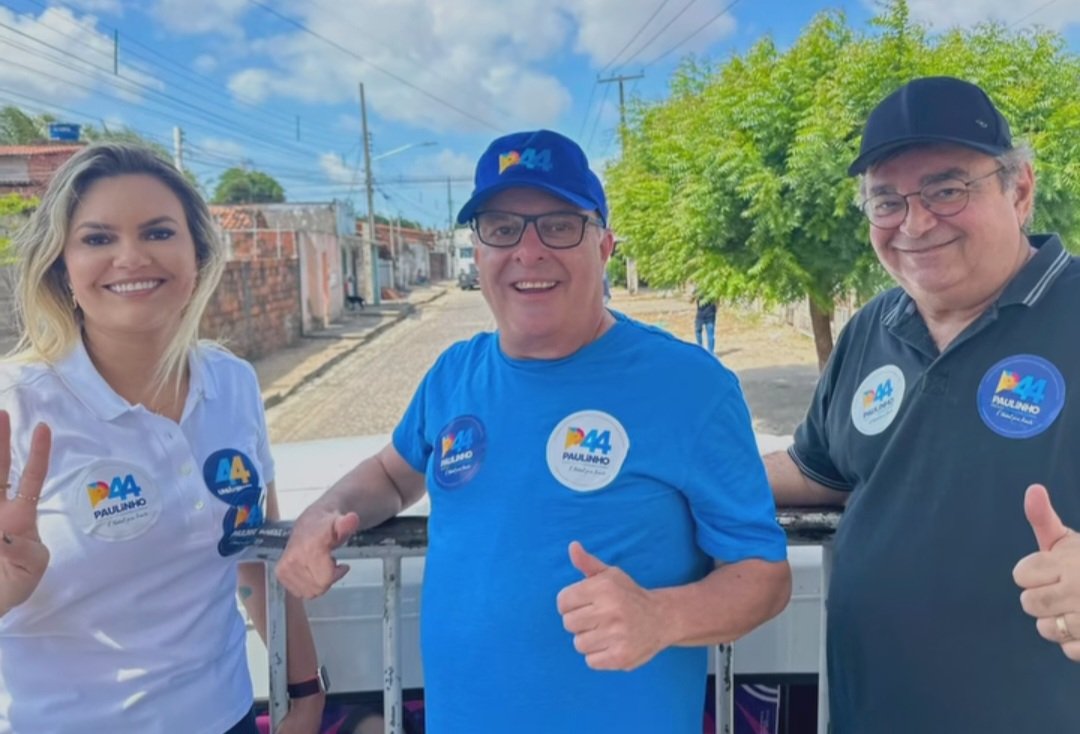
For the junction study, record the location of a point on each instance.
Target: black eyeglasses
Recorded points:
(557, 230)
(944, 198)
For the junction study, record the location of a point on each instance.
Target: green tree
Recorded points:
(13, 212)
(737, 181)
(243, 186)
(19, 128)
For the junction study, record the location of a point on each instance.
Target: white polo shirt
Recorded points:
(135, 626)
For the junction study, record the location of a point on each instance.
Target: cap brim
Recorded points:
(468, 211)
(872, 156)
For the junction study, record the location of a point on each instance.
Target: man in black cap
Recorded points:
(594, 521)
(943, 401)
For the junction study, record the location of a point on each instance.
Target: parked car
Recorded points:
(469, 278)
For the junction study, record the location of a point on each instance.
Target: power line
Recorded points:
(398, 54)
(662, 29)
(635, 36)
(183, 106)
(358, 57)
(699, 29)
(1047, 4)
(110, 74)
(599, 114)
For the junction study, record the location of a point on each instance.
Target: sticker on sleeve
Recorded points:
(459, 452)
(1021, 396)
(586, 450)
(877, 400)
(233, 478)
(117, 501)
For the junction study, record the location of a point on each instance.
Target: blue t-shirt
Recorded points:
(639, 446)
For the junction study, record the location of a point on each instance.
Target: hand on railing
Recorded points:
(23, 557)
(1050, 577)
(307, 568)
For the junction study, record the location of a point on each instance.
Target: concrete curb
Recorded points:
(339, 349)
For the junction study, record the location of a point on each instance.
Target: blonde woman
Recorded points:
(135, 460)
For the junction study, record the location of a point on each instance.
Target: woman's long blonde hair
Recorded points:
(50, 320)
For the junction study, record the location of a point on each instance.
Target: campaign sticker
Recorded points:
(459, 451)
(117, 500)
(877, 400)
(232, 477)
(586, 450)
(1021, 396)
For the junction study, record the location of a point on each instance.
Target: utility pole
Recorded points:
(371, 278)
(178, 148)
(631, 266)
(449, 208)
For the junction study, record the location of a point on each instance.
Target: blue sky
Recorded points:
(273, 84)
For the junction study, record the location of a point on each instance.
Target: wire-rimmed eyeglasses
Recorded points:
(943, 198)
(557, 230)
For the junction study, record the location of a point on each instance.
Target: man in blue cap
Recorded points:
(944, 399)
(593, 522)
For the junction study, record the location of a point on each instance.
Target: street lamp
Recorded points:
(369, 185)
(402, 149)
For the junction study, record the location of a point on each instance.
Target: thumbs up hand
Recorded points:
(617, 625)
(1050, 577)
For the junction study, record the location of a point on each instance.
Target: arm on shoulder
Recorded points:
(792, 488)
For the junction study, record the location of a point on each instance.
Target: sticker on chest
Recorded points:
(1021, 396)
(586, 450)
(877, 400)
(117, 501)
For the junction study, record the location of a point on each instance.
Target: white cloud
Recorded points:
(77, 66)
(111, 7)
(337, 170)
(445, 163)
(482, 60)
(205, 64)
(606, 27)
(221, 147)
(202, 16)
(941, 14)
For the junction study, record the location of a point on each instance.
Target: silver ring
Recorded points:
(25, 498)
(1063, 628)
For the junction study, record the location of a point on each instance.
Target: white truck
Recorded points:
(348, 621)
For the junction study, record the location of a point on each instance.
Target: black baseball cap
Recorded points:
(935, 109)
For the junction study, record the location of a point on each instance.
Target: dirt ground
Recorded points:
(743, 340)
(776, 364)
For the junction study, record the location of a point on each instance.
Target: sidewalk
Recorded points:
(286, 370)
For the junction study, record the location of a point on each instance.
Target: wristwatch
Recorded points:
(319, 684)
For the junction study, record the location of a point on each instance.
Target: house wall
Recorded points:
(255, 310)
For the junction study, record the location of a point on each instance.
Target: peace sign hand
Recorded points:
(23, 557)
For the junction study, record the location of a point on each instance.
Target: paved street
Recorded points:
(369, 390)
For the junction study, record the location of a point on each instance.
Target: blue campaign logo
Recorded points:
(460, 450)
(1021, 396)
(232, 477)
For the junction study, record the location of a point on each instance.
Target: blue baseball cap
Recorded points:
(536, 159)
(936, 109)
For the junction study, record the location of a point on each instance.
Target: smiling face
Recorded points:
(961, 261)
(547, 303)
(130, 258)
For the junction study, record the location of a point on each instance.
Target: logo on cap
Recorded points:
(530, 158)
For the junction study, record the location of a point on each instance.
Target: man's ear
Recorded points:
(607, 245)
(1024, 193)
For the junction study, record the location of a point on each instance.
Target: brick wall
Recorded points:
(256, 309)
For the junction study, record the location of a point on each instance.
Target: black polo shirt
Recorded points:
(925, 629)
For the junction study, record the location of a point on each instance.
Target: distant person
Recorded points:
(943, 400)
(607, 289)
(140, 466)
(599, 511)
(705, 323)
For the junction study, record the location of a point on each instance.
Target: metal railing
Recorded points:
(407, 536)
